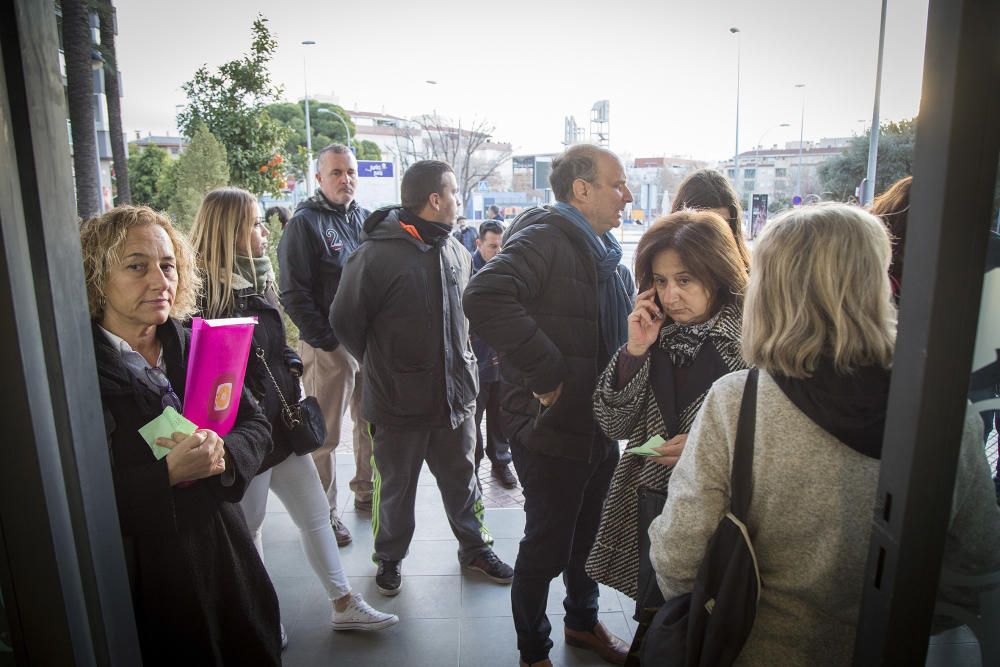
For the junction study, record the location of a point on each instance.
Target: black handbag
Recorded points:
(710, 625)
(305, 428)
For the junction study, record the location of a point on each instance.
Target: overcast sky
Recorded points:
(668, 67)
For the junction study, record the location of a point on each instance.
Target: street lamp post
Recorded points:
(736, 152)
(756, 153)
(868, 191)
(309, 143)
(802, 125)
(347, 129)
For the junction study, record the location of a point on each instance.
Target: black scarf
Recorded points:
(849, 407)
(683, 341)
(432, 233)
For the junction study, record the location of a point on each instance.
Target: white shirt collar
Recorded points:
(124, 349)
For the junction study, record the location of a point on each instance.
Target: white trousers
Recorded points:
(296, 483)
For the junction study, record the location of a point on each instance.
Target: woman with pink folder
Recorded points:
(231, 242)
(199, 589)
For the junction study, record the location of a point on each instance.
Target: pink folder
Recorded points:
(217, 364)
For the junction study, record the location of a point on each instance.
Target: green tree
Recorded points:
(326, 129)
(842, 174)
(200, 168)
(231, 102)
(151, 177)
(273, 239)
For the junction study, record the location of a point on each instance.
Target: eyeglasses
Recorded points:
(168, 397)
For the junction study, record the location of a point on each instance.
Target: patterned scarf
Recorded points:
(683, 341)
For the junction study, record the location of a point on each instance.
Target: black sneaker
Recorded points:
(494, 568)
(503, 474)
(388, 579)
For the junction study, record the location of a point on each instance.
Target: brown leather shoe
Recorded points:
(340, 531)
(540, 663)
(601, 642)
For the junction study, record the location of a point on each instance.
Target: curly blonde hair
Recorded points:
(102, 242)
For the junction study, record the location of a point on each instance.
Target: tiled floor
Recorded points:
(447, 617)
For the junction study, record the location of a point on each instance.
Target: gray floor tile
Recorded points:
(492, 642)
(414, 642)
(505, 523)
(419, 596)
(298, 594)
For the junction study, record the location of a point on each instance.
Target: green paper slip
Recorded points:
(646, 448)
(164, 426)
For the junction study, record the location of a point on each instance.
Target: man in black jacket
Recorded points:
(554, 305)
(496, 446)
(324, 231)
(399, 310)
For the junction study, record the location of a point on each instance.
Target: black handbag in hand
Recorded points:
(710, 625)
(305, 428)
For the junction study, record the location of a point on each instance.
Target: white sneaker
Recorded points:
(284, 637)
(359, 615)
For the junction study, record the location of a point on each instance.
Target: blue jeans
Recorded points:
(562, 505)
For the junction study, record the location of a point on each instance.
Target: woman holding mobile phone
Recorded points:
(683, 335)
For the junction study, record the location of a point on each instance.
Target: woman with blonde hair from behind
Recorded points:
(231, 241)
(819, 324)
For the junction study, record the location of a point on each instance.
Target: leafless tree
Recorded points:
(469, 150)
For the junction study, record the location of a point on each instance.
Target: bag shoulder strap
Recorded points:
(742, 481)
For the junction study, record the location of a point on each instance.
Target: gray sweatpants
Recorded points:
(398, 455)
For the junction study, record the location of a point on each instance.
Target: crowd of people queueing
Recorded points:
(422, 325)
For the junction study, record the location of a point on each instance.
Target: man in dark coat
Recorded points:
(465, 233)
(496, 446)
(555, 307)
(399, 310)
(324, 231)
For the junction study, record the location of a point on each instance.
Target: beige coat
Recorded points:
(810, 521)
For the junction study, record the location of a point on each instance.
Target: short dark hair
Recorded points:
(420, 181)
(490, 226)
(578, 161)
(494, 209)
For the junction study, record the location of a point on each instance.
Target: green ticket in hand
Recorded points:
(169, 422)
(646, 448)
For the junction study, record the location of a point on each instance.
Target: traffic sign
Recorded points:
(796, 200)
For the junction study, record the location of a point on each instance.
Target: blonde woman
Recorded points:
(820, 325)
(231, 242)
(199, 589)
